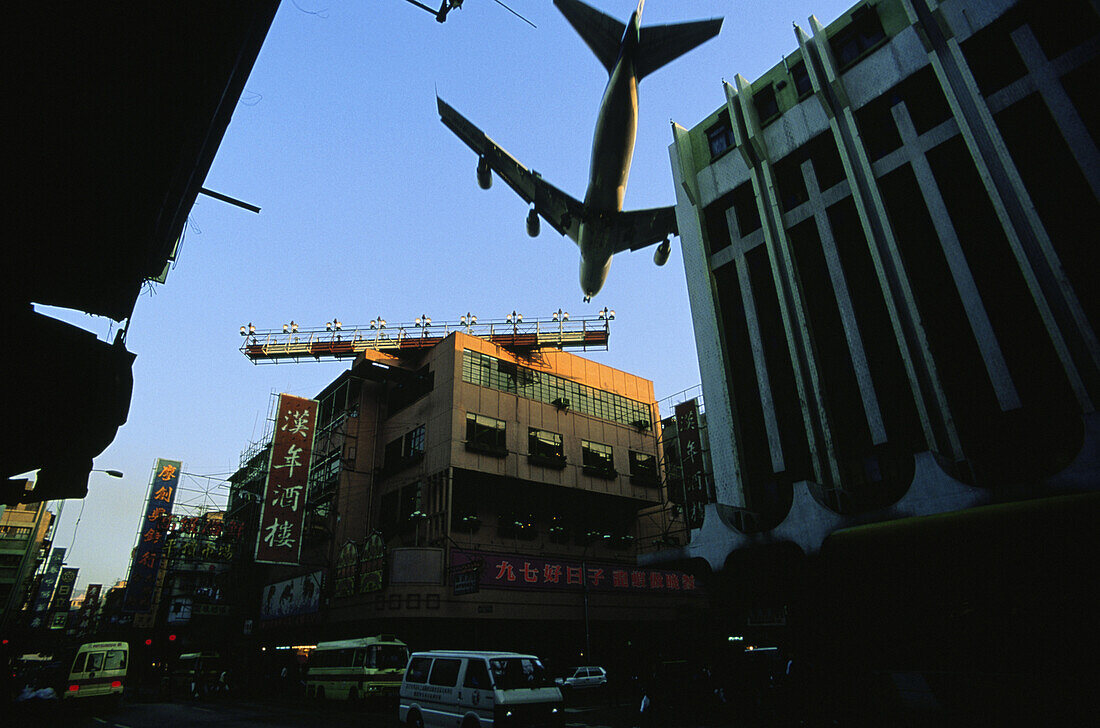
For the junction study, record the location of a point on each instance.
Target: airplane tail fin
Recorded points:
(602, 33)
(658, 45)
(661, 44)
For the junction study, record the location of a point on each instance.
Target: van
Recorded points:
(98, 671)
(195, 674)
(463, 689)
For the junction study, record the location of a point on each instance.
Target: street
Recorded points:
(251, 713)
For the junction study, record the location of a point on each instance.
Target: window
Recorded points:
(745, 210)
(485, 435)
(643, 468)
(801, 77)
(477, 675)
(404, 451)
(445, 673)
(519, 672)
(545, 448)
(542, 387)
(720, 136)
(767, 108)
(418, 670)
(597, 459)
(95, 662)
(78, 666)
(116, 660)
(858, 37)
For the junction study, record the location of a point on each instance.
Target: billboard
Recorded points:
(152, 533)
(292, 597)
(65, 586)
(45, 587)
(279, 540)
(691, 458)
(533, 573)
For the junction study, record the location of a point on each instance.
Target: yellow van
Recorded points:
(99, 671)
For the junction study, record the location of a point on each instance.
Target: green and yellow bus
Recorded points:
(369, 667)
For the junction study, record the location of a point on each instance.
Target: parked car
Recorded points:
(589, 676)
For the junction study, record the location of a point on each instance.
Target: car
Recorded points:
(589, 676)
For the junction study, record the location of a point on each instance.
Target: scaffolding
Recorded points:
(336, 341)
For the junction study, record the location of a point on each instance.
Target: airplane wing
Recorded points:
(563, 212)
(636, 229)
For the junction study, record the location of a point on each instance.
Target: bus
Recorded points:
(355, 669)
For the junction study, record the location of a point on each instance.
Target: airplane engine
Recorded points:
(533, 223)
(660, 255)
(484, 174)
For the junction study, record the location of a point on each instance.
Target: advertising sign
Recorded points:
(152, 533)
(691, 458)
(512, 571)
(89, 607)
(64, 591)
(372, 564)
(45, 587)
(282, 513)
(347, 567)
(292, 597)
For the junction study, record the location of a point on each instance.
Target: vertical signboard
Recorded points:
(89, 608)
(45, 587)
(279, 540)
(152, 533)
(64, 593)
(691, 457)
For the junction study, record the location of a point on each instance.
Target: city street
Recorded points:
(255, 713)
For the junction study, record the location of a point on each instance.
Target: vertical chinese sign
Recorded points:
(691, 458)
(45, 587)
(62, 598)
(152, 533)
(279, 540)
(88, 609)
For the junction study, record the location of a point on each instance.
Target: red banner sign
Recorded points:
(280, 538)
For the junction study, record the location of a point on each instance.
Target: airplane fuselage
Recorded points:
(612, 152)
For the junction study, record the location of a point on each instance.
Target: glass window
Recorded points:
(357, 659)
(389, 657)
(95, 662)
(518, 672)
(116, 660)
(78, 666)
(544, 443)
(801, 78)
(858, 37)
(485, 433)
(414, 443)
(445, 673)
(418, 669)
(720, 136)
(596, 456)
(477, 675)
(765, 102)
(643, 468)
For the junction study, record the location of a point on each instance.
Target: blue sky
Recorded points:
(371, 208)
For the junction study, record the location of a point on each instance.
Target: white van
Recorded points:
(461, 689)
(99, 671)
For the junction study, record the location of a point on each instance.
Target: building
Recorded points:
(886, 242)
(460, 492)
(23, 545)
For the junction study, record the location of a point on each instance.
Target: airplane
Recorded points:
(598, 226)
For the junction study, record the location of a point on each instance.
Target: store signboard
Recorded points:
(152, 534)
(534, 573)
(691, 457)
(279, 540)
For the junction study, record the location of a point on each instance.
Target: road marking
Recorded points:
(99, 720)
(119, 725)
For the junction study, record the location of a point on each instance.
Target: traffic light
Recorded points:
(148, 641)
(171, 638)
